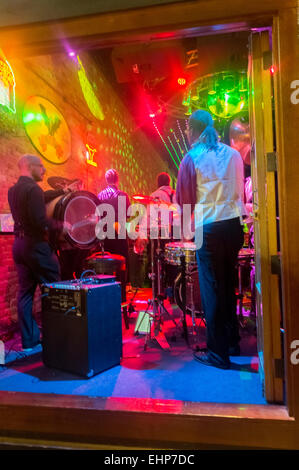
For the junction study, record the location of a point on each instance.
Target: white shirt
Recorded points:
(160, 215)
(165, 193)
(213, 179)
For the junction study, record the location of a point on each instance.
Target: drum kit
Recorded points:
(77, 210)
(179, 258)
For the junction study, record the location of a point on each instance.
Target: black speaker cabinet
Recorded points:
(81, 326)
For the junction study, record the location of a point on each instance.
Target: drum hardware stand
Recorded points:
(240, 295)
(242, 320)
(157, 302)
(131, 308)
(192, 308)
(184, 297)
(127, 309)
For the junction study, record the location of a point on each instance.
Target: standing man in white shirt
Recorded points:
(211, 175)
(164, 192)
(165, 195)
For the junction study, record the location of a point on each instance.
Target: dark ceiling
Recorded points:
(145, 77)
(19, 12)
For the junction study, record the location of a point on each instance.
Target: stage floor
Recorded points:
(147, 369)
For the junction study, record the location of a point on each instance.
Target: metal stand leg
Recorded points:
(125, 315)
(157, 302)
(240, 293)
(184, 297)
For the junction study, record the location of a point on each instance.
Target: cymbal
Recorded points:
(161, 202)
(239, 135)
(143, 199)
(58, 182)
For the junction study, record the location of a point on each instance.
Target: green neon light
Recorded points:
(161, 137)
(170, 154)
(89, 95)
(29, 117)
(178, 143)
(178, 158)
(224, 94)
(225, 104)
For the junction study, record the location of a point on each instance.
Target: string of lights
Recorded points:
(166, 146)
(182, 134)
(178, 143)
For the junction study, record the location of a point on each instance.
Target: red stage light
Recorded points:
(272, 69)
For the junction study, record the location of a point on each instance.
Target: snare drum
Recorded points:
(174, 251)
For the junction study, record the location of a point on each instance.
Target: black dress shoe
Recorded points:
(198, 348)
(205, 359)
(30, 347)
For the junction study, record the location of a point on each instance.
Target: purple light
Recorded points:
(71, 54)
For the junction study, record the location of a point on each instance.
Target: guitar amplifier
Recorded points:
(81, 323)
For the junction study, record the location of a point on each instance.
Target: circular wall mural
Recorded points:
(47, 129)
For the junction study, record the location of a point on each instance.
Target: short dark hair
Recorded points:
(111, 176)
(163, 179)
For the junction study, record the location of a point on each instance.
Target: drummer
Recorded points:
(161, 217)
(112, 196)
(166, 195)
(164, 192)
(162, 208)
(36, 262)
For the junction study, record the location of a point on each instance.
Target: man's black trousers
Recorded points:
(217, 259)
(36, 264)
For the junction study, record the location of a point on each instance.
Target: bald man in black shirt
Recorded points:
(35, 261)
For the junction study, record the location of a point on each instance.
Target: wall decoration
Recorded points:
(90, 154)
(7, 86)
(47, 129)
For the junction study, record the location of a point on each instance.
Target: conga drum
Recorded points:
(173, 253)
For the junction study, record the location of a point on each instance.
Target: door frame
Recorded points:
(270, 426)
(268, 310)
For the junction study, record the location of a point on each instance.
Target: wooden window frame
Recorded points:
(156, 422)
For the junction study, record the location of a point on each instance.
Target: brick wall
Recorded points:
(117, 142)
